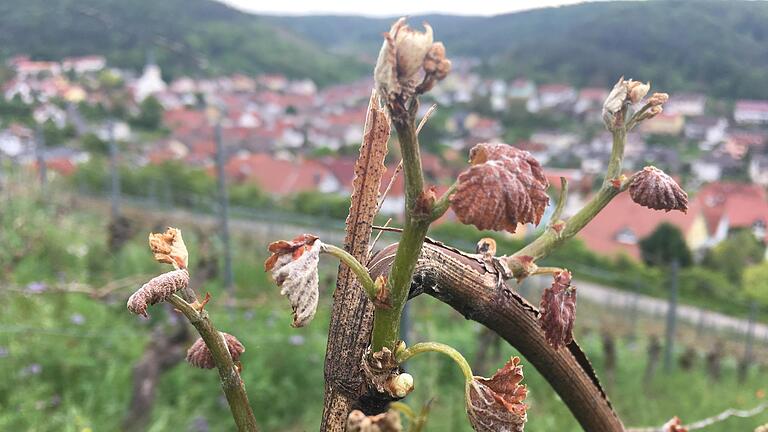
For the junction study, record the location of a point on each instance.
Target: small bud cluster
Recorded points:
(199, 355)
(496, 404)
(382, 373)
(158, 289)
(629, 92)
(407, 56)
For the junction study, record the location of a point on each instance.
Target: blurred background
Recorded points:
(239, 123)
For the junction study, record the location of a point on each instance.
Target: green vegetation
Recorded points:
(664, 246)
(716, 47)
(188, 37)
(72, 355)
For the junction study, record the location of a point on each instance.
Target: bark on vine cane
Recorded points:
(352, 315)
(469, 287)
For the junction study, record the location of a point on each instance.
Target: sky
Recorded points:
(392, 7)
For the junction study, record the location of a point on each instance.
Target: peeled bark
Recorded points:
(466, 285)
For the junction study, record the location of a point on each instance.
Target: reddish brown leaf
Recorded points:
(199, 355)
(503, 187)
(295, 247)
(158, 289)
(654, 189)
(496, 404)
(558, 310)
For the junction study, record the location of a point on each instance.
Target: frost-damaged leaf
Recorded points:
(158, 289)
(389, 421)
(504, 186)
(169, 248)
(295, 247)
(496, 404)
(295, 271)
(674, 425)
(654, 189)
(199, 355)
(558, 310)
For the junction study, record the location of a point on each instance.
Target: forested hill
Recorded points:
(720, 47)
(186, 36)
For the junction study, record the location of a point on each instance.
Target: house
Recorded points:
(737, 144)
(707, 168)
(686, 104)
(521, 89)
(751, 111)
(664, 124)
(590, 98)
(729, 206)
(555, 140)
(552, 96)
(758, 170)
(85, 64)
(282, 177)
(621, 225)
(149, 83)
(707, 130)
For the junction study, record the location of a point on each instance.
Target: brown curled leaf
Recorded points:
(295, 271)
(169, 248)
(158, 289)
(674, 425)
(504, 186)
(654, 189)
(558, 310)
(497, 404)
(296, 247)
(199, 355)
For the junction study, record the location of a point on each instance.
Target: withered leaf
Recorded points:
(169, 248)
(295, 247)
(504, 186)
(654, 189)
(158, 289)
(496, 404)
(199, 355)
(558, 310)
(295, 271)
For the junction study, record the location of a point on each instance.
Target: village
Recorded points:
(287, 136)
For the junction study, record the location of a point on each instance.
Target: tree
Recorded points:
(150, 114)
(665, 245)
(735, 253)
(756, 282)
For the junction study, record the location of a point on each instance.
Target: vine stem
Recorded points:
(231, 382)
(386, 322)
(405, 354)
(358, 269)
(550, 239)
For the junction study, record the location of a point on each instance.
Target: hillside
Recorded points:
(186, 36)
(717, 47)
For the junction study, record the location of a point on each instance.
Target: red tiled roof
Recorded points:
(752, 105)
(743, 204)
(622, 213)
(276, 176)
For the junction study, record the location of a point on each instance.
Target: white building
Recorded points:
(150, 82)
(751, 111)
